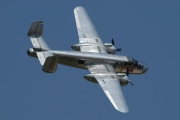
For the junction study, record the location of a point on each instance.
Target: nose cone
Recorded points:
(145, 68)
(142, 66)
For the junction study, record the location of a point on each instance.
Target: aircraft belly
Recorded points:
(121, 68)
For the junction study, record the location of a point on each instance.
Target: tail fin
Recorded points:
(35, 34)
(39, 45)
(46, 58)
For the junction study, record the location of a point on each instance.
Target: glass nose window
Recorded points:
(140, 66)
(135, 63)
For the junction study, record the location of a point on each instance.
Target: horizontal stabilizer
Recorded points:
(50, 64)
(43, 55)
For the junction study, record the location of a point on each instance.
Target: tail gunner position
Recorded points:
(110, 71)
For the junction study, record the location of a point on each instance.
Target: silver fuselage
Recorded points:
(120, 63)
(81, 59)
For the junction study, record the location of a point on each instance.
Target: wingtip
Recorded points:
(78, 8)
(123, 111)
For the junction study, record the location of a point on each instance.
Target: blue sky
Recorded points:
(148, 30)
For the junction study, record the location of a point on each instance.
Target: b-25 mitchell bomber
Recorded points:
(110, 71)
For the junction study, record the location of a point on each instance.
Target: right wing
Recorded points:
(87, 33)
(109, 82)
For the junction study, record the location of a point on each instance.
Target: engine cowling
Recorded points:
(110, 48)
(124, 80)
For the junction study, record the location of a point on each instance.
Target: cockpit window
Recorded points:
(130, 59)
(140, 65)
(135, 63)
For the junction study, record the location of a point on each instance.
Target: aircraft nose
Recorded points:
(145, 68)
(142, 66)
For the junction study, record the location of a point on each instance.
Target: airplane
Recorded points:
(110, 71)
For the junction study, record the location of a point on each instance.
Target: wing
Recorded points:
(104, 73)
(109, 82)
(87, 32)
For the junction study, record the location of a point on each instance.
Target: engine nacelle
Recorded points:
(31, 52)
(90, 78)
(76, 47)
(110, 48)
(124, 79)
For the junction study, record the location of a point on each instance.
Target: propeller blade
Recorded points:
(127, 71)
(131, 83)
(119, 49)
(113, 42)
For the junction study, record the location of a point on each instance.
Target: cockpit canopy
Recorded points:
(135, 63)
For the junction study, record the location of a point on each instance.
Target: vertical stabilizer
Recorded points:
(35, 34)
(39, 45)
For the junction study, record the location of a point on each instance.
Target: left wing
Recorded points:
(109, 82)
(88, 37)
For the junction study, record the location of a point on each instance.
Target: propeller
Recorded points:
(113, 43)
(127, 71)
(131, 83)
